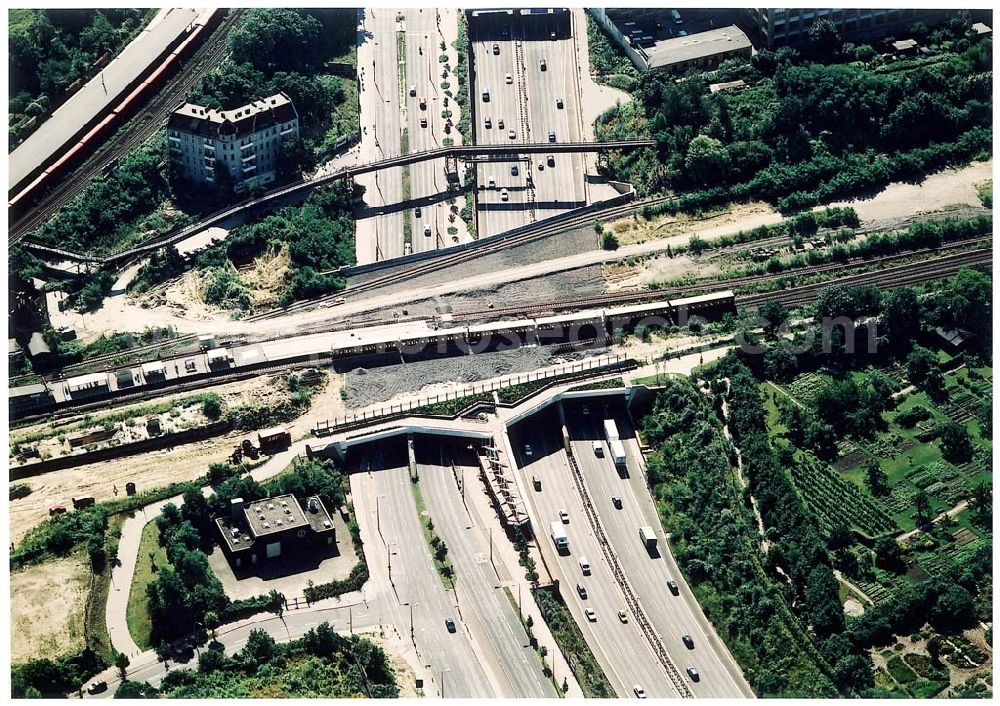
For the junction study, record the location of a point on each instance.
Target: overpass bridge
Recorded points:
(306, 185)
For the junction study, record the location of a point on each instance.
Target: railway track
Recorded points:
(896, 276)
(713, 285)
(134, 132)
(449, 260)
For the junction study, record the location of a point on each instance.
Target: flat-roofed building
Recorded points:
(241, 147)
(654, 45)
(273, 527)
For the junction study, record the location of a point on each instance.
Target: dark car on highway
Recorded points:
(450, 624)
(672, 585)
(688, 641)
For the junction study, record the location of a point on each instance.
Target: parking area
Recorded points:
(525, 89)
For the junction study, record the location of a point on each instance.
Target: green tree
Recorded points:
(260, 648)
(922, 505)
(876, 479)
(775, 314)
(211, 622)
(211, 406)
(609, 241)
(981, 502)
(129, 689)
(889, 555)
(121, 664)
(824, 39)
(924, 370)
(956, 445)
(901, 316)
(707, 161)
(277, 39)
(954, 609)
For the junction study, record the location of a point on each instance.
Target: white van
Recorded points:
(585, 566)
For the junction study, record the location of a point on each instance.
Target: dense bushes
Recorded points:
(285, 49)
(690, 476)
(321, 664)
(54, 678)
(107, 212)
(319, 235)
(805, 132)
(608, 62)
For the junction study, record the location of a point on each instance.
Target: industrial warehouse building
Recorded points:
(654, 42)
(274, 527)
(241, 147)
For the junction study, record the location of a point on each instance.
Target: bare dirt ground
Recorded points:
(658, 268)
(46, 609)
(746, 216)
(160, 468)
(153, 470)
(953, 186)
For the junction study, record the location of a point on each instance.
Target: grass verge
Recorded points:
(567, 634)
(439, 550)
(151, 558)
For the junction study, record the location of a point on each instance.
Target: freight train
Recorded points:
(120, 114)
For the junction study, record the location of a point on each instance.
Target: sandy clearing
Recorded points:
(154, 470)
(46, 609)
(745, 216)
(947, 188)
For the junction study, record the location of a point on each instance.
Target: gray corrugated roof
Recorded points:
(694, 46)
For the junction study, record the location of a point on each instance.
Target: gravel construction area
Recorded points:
(368, 386)
(584, 282)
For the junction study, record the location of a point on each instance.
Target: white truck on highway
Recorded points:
(559, 537)
(648, 537)
(614, 443)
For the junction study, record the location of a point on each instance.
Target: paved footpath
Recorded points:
(128, 552)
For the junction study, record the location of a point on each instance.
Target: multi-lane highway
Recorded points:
(627, 659)
(415, 583)
(380, 218)
(671, 616)
(524, 86)
(486, 609)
